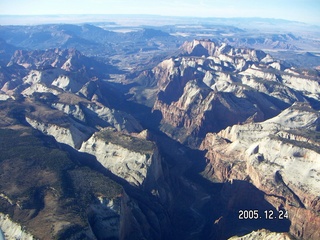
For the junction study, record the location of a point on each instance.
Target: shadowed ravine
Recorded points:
(113, 132)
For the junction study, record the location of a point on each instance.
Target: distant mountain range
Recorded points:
(105, 40)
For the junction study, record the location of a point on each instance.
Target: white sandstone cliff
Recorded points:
(72, 134)
(133, 159)
(12, 230)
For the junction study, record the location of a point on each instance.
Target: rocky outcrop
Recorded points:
(211, 86)
(4, 97)
(11, 77)
(119, 120)
(95, 114)
(56, 79)
(279, 156)
(70, 133)
(12, 230)
(74, 94)
(56, 70)
(133, 159)
(73, 110)
(223, 51)
(136, 160)
(69, 60)
(74, 120)
(263, 235)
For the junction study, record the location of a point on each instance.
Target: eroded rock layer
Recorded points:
(212, 86)
(281, 157)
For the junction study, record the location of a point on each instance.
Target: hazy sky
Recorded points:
(299, 10)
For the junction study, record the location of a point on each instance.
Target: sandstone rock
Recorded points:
(73, 110)
(12, 230)
(69, 60)
(211, 86)
(39, 88)
(133, 159)
(280, 156)
(117, 119)
(4, 97)
(73, 135)
(263, 235)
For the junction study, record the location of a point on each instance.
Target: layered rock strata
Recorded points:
(211, 86)
(134, 159)
(280, 157)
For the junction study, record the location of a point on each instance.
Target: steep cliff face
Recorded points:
(279, 156)
(224, 51)
(72, 124)
(69, 132)
(211, 86)
(136, 160)
(95, 114)
(12, 230)
(133, 159)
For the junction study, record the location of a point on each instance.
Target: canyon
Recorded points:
(171, 146)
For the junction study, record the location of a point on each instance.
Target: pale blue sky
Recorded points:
(299, 10)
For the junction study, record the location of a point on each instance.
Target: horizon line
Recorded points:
(142, 14)
(54, 18)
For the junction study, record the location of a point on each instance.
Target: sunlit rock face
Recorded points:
(70, 133)
(211, 86)
(263, 235)
(12, 230)
(134, 159)
(280, 156)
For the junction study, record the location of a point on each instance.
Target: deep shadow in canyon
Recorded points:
(198, 208)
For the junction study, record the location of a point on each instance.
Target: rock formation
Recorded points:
(12, 230)
(65, 101)
(280, 156)
(133, 159)
(59, 194)
(75, 164)
(211, 86)
(70, 60)
(263, 234)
